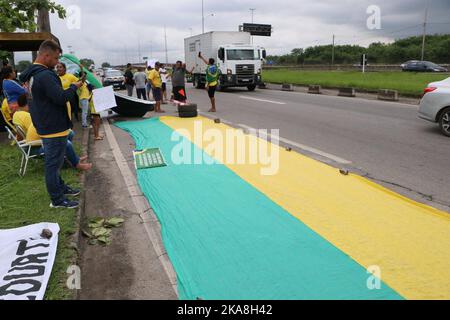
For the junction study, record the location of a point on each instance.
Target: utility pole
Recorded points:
(332, 51)
(151, 49)
(425, 21)
(203, 16)
(165, 41)
(253, 11)
(139, 50)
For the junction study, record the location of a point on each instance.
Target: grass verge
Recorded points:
(24, 201)
(407, 83)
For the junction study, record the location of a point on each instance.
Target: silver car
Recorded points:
(435, 105)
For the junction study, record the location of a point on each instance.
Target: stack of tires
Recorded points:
(187, 110)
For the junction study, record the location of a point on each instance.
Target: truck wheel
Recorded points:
(252, 87)
(198, 83)
(444, 122)
(220, 87)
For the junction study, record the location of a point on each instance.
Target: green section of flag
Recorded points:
(148, 159)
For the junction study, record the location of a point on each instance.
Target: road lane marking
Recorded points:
(301, 146)
(262, 100)
(287, 141)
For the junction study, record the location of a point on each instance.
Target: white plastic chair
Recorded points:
(25, 148)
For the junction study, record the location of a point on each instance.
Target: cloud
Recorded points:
(117, 31)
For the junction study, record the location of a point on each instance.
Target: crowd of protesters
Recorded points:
(153, 81)
(41, 103)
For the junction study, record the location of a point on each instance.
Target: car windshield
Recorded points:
(243, 54)
(113, 74)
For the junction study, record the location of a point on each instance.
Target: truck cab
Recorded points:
(240, 65)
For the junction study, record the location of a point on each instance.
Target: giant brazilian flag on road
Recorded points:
(306, 232)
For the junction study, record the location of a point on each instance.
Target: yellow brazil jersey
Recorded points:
(22, 119)
(67, 80)
(83, 92)
(91, 106)
(32, 134)
(155, 77)
(6, 111)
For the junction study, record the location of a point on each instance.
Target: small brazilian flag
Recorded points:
(148, 158)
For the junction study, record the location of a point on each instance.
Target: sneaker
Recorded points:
(72, 192)
(65, 204)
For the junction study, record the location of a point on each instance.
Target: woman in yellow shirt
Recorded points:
(67, 79)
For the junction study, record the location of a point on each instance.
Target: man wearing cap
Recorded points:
(155, 78)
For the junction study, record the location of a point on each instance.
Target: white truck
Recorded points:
(239, 61)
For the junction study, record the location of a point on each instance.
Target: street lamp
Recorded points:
(253, 11)
(425, 21)
(203, 16)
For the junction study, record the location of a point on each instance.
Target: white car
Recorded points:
(435, 105)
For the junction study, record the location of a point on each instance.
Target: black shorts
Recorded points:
(212, 91)
(164, 87)
(157, 95)
(177, 95)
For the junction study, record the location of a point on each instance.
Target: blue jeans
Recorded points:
(71, 155)
(84, 103)
(55, 151)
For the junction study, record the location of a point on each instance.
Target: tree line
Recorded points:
(437, 49)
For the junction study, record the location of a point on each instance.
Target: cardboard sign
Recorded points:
(104, 99)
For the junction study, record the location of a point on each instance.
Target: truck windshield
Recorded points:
(243, 54)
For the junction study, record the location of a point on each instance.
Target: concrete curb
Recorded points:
(359, 93)
(76, 238)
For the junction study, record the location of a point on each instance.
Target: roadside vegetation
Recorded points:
(411, 84)
(400, 51)
(25, 201)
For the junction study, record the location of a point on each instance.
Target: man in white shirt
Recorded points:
(164, 77)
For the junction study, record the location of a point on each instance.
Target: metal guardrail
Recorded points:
(341, 67)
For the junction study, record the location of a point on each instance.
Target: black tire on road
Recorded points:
(251, 87)
(444, 122)
(187, 108)
(188, 114)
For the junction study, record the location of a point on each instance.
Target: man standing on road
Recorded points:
(140, 78)
(129, 82)
(155, 79)
(163, 73)
(49, 113)
(212, 78)
(148, 86)
(179, 81)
